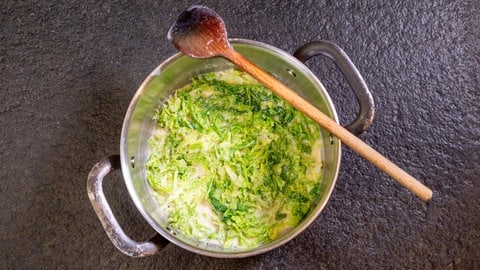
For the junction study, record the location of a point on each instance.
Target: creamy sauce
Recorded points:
(231, 164)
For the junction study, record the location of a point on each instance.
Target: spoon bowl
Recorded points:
(200, 33)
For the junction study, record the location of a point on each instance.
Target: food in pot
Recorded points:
(231, 164)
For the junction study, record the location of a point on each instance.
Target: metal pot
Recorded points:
(174, 73)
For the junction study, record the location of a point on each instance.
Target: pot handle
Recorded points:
(95, 193)
(343, 62)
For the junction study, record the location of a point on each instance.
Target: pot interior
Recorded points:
(176, 72)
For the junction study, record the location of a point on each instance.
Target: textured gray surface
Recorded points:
(69, 71)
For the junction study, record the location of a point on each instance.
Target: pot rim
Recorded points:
(125, 163)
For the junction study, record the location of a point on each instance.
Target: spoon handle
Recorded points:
(330, 125)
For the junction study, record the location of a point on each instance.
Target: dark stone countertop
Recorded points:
(69, 70)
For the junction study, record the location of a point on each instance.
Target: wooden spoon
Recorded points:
(200, 33)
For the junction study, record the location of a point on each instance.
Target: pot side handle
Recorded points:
(95, 193)
(354, 78)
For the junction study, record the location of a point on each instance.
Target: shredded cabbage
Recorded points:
(232, 164)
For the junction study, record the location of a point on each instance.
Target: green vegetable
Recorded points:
(232, 164)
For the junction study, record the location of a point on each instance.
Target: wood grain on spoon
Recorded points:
(200, 33)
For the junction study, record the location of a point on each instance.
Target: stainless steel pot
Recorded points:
(176, 72)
